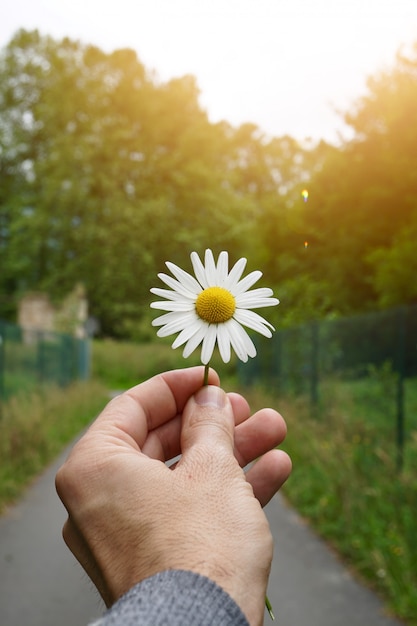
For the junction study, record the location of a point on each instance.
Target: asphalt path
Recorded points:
(309, 586)
(41, 584)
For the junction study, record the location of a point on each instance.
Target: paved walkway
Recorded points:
(42, 585)
(308, 586)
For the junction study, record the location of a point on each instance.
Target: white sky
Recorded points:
(284, 65)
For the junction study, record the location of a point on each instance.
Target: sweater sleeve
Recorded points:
(174, 598)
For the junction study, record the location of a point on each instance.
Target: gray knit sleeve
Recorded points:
(174, 598)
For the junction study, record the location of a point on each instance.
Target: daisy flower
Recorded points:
(212, 306)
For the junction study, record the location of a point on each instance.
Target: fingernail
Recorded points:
(209, 395)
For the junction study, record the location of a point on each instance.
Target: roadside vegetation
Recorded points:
(345, 483)
(36, 425)
(121, 365)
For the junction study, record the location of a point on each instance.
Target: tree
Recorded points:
(366, 191)
(395, 269)
(107, 173)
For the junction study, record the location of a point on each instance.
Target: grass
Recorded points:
(35, 427)
(345, 482)
(122, 365)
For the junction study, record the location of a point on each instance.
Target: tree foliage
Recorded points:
(105, 173)
(364, 200)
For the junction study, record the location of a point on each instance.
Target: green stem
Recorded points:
(206, 374)
(269, 607)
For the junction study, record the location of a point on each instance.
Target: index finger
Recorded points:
(150, 404)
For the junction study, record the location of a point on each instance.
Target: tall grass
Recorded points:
(346, 483)
(34, 428)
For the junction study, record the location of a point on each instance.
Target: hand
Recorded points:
(130, 516)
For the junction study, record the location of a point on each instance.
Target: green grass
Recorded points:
(345, 482)
(123, 365)
(34, 428)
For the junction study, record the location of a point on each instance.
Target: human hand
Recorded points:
(130, 516)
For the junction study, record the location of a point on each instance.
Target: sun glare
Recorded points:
(285, 66)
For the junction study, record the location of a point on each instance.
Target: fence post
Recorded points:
(67, 358)
(401, 326)
(2, 369)
(314, 372)
(275, 363)
(84, 358)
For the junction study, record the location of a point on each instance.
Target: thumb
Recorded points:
(208, 420)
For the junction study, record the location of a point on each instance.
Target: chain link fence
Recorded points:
(373, 356)
(30, 358)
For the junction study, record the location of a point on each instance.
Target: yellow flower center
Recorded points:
(215, 305)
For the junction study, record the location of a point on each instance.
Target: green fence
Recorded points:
(29, 359)
(373, 357)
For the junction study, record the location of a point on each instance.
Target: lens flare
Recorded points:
(304, 194)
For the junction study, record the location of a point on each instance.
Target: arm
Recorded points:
(174, 597)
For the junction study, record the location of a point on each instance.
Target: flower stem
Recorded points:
(206, 374)
(269, 607)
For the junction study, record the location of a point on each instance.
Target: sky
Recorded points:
(288, 66)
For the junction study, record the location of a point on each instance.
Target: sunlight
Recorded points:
(285, 65)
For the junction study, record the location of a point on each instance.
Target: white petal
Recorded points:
(240, 340)
(247, 341)
(195, 340)
(261, 292)
(222, 268)
(187, 333)
(247, 301)
(167, 318)
(167, 293)
(223, 341)
(199, 270)
(188, 281)
(210, 268)
(173, 306)
(209, 342)
(179, 287)
(254, 321)
(246, 283)
(235, 274)
(175, 326)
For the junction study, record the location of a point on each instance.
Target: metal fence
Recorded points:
(30, 358)
(379, 349)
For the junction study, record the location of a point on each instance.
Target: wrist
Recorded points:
(246, 583)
